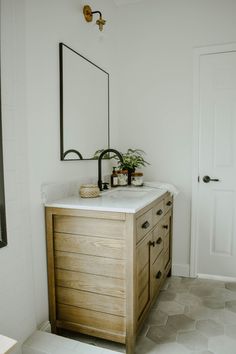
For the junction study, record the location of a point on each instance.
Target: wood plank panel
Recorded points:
(97, 246)
(90, 264)
(89, 227)
(91, 301)
(103, 321)
(90, 282)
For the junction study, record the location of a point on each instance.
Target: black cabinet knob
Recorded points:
(152, 243)
(159, 212)
(165, 226)
(145, 225)
(159, 241)
(169, 203)
(158, 275)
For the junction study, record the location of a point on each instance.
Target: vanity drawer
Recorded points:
(144, 224)
(157, 274)
(158, 212)
(165, 223)
(168, 202)
(157, 243)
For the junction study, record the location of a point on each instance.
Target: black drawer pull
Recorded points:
(165, 227)
(169, 203)
(145, 225)
(159, 212)
(152, 243)
(159, 274)
(159, 241)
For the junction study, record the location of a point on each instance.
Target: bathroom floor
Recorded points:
(191, 316)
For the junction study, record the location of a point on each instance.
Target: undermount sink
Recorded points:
(127, 192)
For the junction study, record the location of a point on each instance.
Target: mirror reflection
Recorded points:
(84, 106)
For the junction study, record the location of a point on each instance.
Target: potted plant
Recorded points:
(132, 159)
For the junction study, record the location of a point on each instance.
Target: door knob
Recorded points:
(207, 179)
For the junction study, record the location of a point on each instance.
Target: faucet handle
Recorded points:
(105, 185)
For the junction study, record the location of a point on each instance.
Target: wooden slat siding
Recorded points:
(96, 246)
(109, 267)
(131, 283)
(86, 213)
(89, 227)
(92, 319)
(91, 301)
(90, 282)
(50, 270)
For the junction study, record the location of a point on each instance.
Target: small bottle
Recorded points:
(114, 178)
(123, 177)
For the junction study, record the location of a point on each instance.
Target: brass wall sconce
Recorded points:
(88, 15)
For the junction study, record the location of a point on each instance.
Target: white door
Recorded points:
(216, 226)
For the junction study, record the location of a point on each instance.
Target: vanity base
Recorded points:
(105, 269)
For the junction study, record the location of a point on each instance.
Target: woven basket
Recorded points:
(89, 191)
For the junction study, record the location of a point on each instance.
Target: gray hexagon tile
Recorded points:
(188, 299)
(193, 340)
(224, 294)
(202, 313)
(231, 305)
(169, 348)
(210, 328)
(213, 302)
(162, 334)
(226, 317)
(202, 291)
(170, 307)
(230, 331)
(222, 345)
(231, 286)
(166, 296)
(181, 322)
(157, 317)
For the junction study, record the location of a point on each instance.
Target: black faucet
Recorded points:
(100, 164)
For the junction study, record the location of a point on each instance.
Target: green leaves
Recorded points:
(133, 159)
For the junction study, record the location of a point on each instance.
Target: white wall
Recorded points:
(17, 312)
(47, 24)
(157, 38)
(32, 30)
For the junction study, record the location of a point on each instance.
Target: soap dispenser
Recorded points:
(114, 178)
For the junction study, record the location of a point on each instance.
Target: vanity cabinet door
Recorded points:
(143, 274)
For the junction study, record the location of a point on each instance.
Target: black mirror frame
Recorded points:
(62, 152)
(3, 228)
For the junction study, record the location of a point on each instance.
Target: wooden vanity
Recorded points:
(105, 268)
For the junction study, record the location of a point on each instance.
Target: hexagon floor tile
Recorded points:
(210, 328)
(191, 316)
(193, 340)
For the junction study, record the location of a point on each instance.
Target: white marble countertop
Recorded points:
(120, 199)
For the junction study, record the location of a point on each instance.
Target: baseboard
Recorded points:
(45, 327)
(216, 277)
(181, 270)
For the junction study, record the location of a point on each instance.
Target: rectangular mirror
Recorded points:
(3, 229)
(84, 106)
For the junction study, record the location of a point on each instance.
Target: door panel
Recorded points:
(217, 159)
